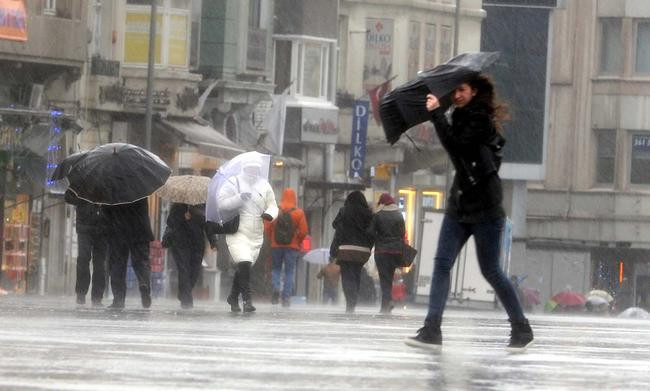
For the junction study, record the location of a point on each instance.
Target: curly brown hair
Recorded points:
(487, 95)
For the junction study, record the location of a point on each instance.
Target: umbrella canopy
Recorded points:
(600, 293)
(635, 312)
(63, 169)
(117, 173)
(225, 173)
(569, 299)
(319, 256)
(405, 106)
(530, 296)
(186, 189)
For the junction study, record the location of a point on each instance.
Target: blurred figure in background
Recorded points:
(330, 274)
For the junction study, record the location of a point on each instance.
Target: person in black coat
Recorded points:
(474, 207)
(352, 244)
(188, 231)
(92, 244)
(129, 230)
(388, 230)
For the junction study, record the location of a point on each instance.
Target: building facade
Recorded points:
(588, 223)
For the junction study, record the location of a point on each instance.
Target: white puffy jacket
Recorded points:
(245, 244)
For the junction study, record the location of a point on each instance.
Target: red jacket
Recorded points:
(299, 221)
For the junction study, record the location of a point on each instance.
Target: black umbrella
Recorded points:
(405, 106)
(114, 174)
(63, 169)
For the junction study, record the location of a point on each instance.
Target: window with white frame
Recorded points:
(306, 63)
(643, 47)
(173, 32)
(640, 164)
(605, 156)
(611, 46)
(66, 9)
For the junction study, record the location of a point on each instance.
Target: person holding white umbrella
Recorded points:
(249, 195)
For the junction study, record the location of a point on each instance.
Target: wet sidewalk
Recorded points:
(50, 343)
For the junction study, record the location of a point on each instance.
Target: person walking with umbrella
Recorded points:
(286, 233)
(250, 195)
(120, 177)
(474, 207)
(188, 230)
(389, 230)
(352, 244)
(92, 244)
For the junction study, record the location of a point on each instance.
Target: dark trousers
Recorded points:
(241, 284)
(386, 265)
(351, 280)
(95, 247)
(188, 264)
(487, 236)
(119, 250)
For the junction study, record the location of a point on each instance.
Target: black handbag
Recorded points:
(167, 241)
(226, 228)
(408, 255)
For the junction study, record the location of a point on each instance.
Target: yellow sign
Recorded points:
(178, 40)
(136, 38)
(13, 20)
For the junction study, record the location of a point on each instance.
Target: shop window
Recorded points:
(605, 156)
(173, 23)
(611, 46)
(643, 47)
(640, 165)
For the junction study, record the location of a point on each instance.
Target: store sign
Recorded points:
(641, 143)
(358, 142)
(319, 125)
(13, 20)
(119, 94)
(378, 60)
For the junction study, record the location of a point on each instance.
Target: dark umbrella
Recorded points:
(63, 169)
(405, 106)
(114, 174)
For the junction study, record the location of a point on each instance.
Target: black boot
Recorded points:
(234, 303)
(428, 337)
(386, 307)
(275, 297)
(521, 336)
(145, 296)
(248, 306)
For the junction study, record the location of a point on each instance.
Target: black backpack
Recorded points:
(284, 228)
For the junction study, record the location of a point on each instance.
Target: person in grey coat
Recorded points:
(388, 230)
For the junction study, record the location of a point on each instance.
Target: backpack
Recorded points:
(284, 228)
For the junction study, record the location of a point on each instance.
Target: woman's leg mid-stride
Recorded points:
(488, 241)
(386, 264)
(351, 279)
(453, 236)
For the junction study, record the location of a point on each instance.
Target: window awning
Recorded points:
(209, 141)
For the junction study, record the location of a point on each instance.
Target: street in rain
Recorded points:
(331, 194)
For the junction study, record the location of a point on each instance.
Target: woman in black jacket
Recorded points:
(188, 231)
(352, 244)
(388, 230)
(474, 206)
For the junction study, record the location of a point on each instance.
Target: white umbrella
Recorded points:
(319, 256)
(226, 173)
(634, 312)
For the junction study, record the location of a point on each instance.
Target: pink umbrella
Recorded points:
(569, 299)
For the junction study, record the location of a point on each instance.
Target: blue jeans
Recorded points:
(487, 236)
(288, 258)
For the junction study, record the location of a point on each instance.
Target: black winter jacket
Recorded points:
(388, 230)
(90, 217)
(189, 234)
(475, 149)
(351, 225)
(129, 222)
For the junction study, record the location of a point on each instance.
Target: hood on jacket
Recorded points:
(289, 199)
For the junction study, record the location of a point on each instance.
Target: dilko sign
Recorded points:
(358, 143)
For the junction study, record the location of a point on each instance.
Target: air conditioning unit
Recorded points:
(36, 96)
